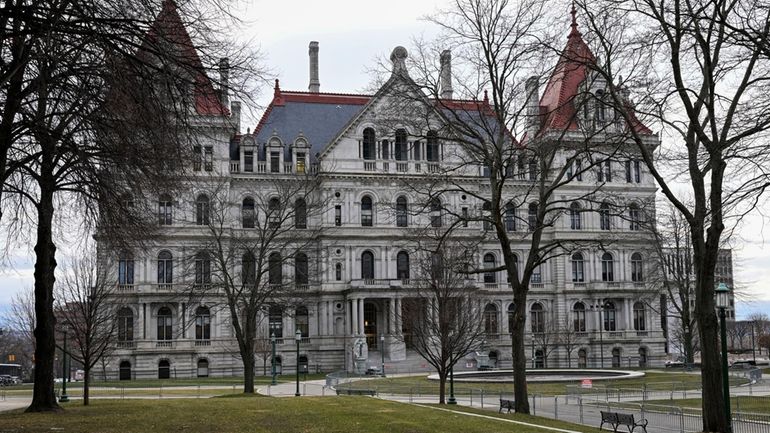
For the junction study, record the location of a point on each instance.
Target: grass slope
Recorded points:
(234, 415)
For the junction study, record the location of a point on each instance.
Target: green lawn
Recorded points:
(420, 385)
(286, 415)
(742, 403)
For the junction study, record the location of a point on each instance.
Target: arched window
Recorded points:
(165, 268)
(301, 321)
(247, 213)
(604, 216)
(275, 321)
(248, 269)
(202, 210)
(490, 263)
(165, 326)
(202, 323)
(575, 217)
(610, 316)
(616, 357)
(274, 212)
(275, 269)
(642, 357)
(511, 314)
(338, 272)
(634, 217)
(366, 211)
(537, 317)
(402, 265)
(164, 369)
(203, 367)
(432, 148)
(637, 268)
(369, 144)
(401, 212)
(435, 212)
(300, 214)
(487, 215)
(401, 146)
(608, 267)
(490, 319)
(301, 269)
(125, 325)
(578, 274)
(165, 206)
(582, 358)
(125, 370)
(367, 265)
(640, 319)
(126, 268)
(510, 217)
(202, 268)
(532, 216)
(579, 317)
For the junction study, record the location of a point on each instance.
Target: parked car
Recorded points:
(6, 380)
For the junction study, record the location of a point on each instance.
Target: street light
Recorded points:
(297, 338)
(723, 300)
(382, 352)
(599, 308)
(64, 398)
(451, 386)
(272, 342)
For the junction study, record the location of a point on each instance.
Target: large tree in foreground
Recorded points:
(98, 96)
(699, 69)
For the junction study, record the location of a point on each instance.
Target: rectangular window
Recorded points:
(164, 212)
(248, 161)
(637, 172)
(628, 171)
(275, 162)
(385, 149)
(208, 155)
(126, 271)
(197, 158)
(537, 276)
(300, 163)
(604, 173)
(417, 150)
(203, 327)
(465, 216)
(337, 215)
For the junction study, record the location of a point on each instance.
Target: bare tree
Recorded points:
(570, 338)
(443, 314)
(98, 98)
(524, 188)
(760, 323)
(263, 348)
(85, 308)
(265, 257)
(699, 70)
(547, 338)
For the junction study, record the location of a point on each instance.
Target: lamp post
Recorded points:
(64, 398)
(272, 366)
(599, 308)
(723, 300)
(382, 352)
(297, 338)
(451, 386)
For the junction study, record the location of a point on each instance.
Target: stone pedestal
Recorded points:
(395, 349)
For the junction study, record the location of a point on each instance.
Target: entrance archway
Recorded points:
(616, 357)
(164, 369)
(539, 359)
(642, 357)
(203, 367)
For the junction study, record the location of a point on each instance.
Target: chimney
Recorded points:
(235, 116)
(224, 81)
(315, 84)
(532, 89)
(446, 74)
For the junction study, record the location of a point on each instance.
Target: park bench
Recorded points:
(356, 392)
(506, 404)
(616, 419)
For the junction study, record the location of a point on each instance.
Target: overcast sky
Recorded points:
(352, 35)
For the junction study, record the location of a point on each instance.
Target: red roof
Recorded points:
(557, 103)
(169, 28)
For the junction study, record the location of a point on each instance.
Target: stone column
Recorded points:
(321, 318)
(399, 313)
(361, 316)
(392, 321)
(354, 318)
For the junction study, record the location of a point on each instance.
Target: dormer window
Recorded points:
(208, 158)
(301, 163)
(248, 161)
(369, 143)
(432, 149)
(275, 162)
(402, 148)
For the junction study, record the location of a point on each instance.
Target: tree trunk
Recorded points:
(248, 374)
(264, 366)
(688, 351)
(43, 398)
(442, 387)
(519, 359)
(86, 383)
